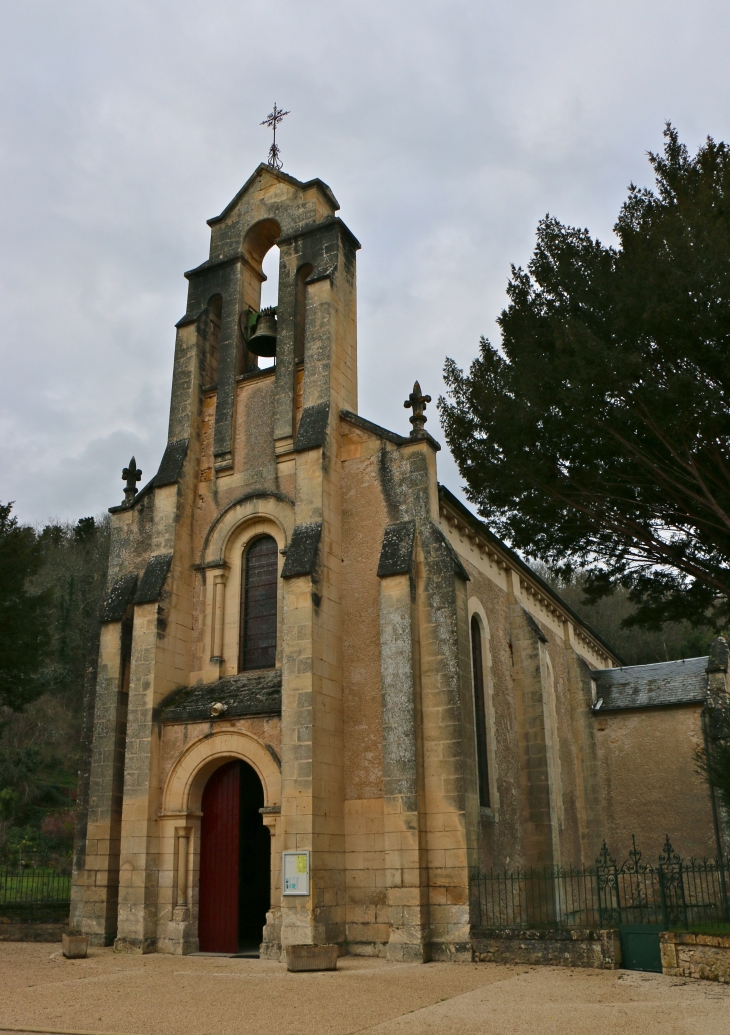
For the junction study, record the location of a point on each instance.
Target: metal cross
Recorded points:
(416, 401)
(131, 475)
(272, 120)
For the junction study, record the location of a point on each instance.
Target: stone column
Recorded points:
(271, 944)
(181, 887)
(218, 619)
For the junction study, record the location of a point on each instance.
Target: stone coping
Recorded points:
(719, 941)
(691, 955)
(31, 932)
(557, 946)
(557, 934)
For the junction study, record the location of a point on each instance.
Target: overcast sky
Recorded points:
(446, 131)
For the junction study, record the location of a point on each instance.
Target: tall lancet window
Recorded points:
(258, 605)
(480, 711)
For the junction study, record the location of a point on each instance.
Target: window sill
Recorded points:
(487, 815)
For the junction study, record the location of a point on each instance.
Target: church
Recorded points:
(326, 694)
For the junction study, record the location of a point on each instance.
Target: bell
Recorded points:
(263, 341)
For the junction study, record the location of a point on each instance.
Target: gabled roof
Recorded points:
(279, 175)
(651, 686)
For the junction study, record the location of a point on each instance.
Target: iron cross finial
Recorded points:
(416, 401)
(131, 475)
(272, 120)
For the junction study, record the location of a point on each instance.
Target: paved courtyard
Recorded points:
(173, 995)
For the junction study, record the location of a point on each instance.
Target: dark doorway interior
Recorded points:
(235, 857)
(254, 892)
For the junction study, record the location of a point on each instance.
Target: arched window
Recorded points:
(258, 605)
(480, 712)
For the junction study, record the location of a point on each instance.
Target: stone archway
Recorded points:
(181, 827)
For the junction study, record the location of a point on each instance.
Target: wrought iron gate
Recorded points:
(637, 897)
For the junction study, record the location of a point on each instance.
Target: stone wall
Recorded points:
(32, 932)
(599, 950)
(696, 955)
(646, 760)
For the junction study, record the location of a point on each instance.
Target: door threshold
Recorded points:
(228, 955)
(223, 955)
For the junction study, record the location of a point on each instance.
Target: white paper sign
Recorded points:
(295, 873)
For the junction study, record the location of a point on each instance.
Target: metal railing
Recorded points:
(33, 890)
(673, 893)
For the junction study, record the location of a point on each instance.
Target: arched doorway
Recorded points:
(235, 860)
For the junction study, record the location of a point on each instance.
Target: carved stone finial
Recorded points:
(416, 401)
(131, 475)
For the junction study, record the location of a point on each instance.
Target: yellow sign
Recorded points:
(301, 864)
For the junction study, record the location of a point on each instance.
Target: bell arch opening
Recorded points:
(258, 320)
(235, 861)
(259, 238)
(269, 295)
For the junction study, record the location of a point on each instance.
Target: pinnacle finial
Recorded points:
(416, 401)
(131, 476)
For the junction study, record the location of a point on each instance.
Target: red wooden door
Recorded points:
(219, 852)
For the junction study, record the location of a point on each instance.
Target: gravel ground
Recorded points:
(175, 995)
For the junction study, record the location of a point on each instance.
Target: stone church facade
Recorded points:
(309, 645)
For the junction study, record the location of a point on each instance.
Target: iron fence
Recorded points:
(673, 893)
(33, 890)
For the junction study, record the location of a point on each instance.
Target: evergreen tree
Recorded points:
(597, 437)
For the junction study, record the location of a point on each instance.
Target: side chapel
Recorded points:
(310, 646)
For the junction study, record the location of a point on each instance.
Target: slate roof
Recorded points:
(248, 693)
(651, 686)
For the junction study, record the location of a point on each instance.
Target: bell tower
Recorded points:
(315, 316)
(251, 453)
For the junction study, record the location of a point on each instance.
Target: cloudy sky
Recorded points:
(446, 130)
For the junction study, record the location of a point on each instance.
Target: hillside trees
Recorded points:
(40, 733)
(24, 639)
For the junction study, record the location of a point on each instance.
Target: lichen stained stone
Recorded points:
(301, 554)
(248, 693)
(151, 583)
(116, 601)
